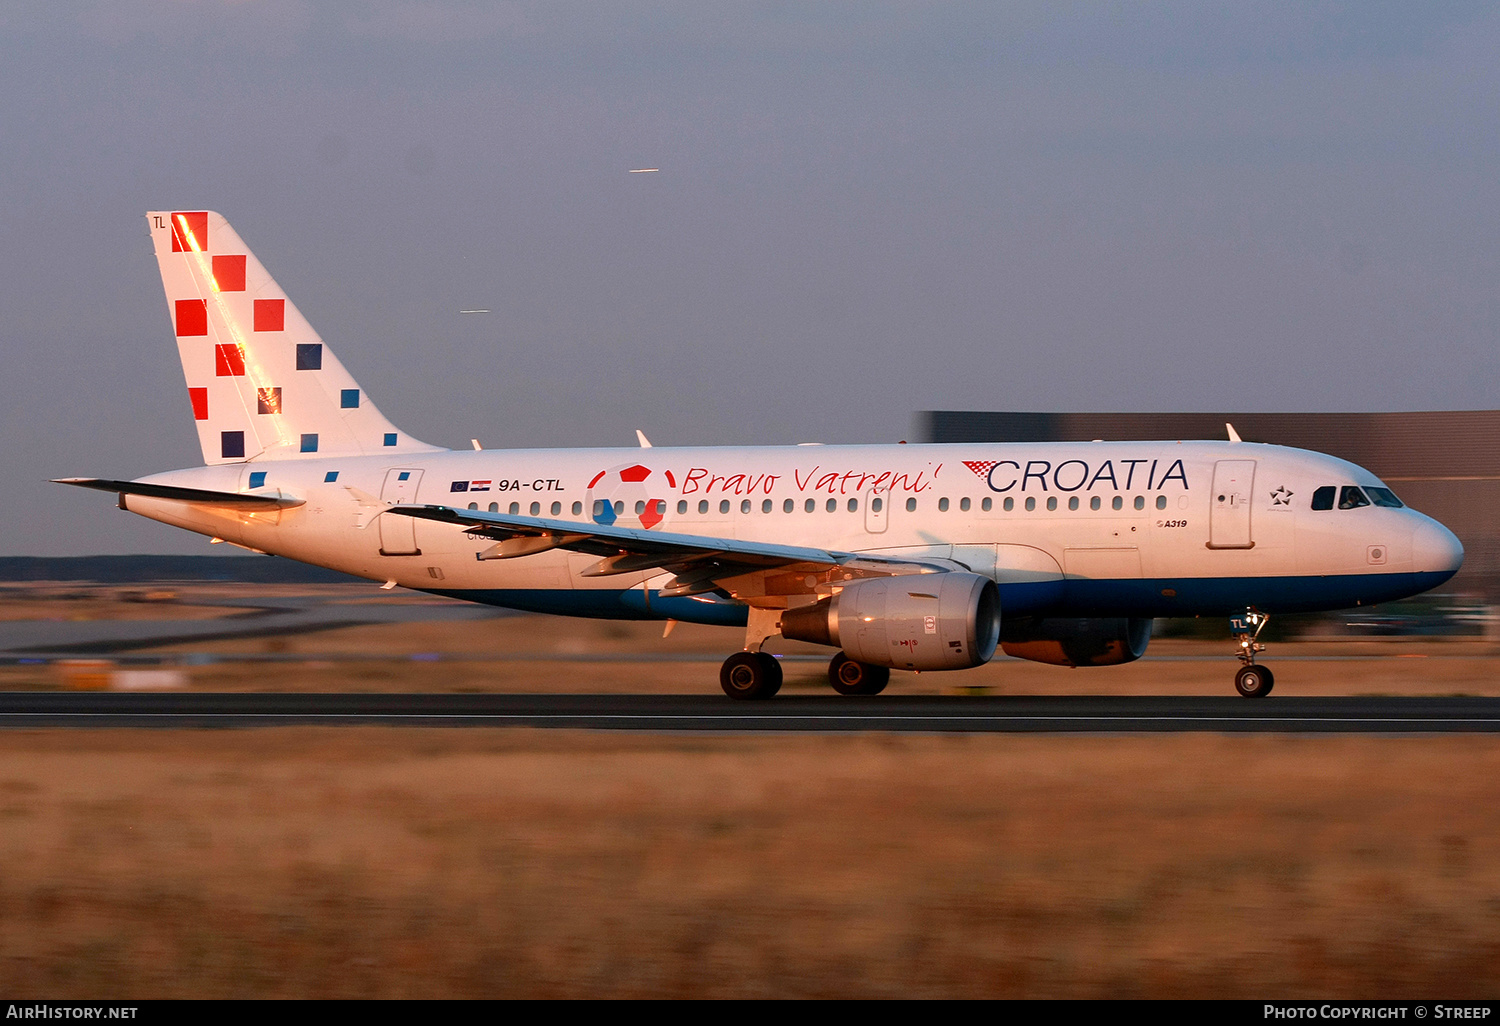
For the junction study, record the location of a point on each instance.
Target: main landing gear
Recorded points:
(851, 678)
(1252, 680)
(753, 674)
(750, 675)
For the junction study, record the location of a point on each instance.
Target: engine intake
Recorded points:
(947, 621)
(1106, 641)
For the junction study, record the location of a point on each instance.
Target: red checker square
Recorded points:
(192, 317)
(229, 273)
(189, 227)
(635, 473)
(270, 314)
(229, 361)
(199, 397)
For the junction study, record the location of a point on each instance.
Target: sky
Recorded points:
(864, 210)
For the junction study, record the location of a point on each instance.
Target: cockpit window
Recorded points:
(1351, 497)
(1384, 497)
(1323, 497)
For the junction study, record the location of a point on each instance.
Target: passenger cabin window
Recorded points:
(577, 509)
(1385, 497)
(702, 505)
(723, 505)
(943, 505)
(1351, 497)
(987, 504)
(1323, 497)
(681, 506)
(963, 505)
(911, 505)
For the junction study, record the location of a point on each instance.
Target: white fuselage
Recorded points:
(1065, 529)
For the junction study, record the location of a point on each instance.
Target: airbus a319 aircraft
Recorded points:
(910, 557)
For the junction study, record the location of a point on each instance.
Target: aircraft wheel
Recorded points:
(852, 678)
(1254, 681)
(750, 675)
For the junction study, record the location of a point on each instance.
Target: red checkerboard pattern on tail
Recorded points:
(241, 340)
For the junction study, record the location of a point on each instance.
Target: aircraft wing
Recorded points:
(746, 569)
(195, 496)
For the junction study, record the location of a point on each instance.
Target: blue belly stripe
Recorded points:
(1201, 596)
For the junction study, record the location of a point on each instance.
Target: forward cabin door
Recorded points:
(1229, 507)
(398, 534)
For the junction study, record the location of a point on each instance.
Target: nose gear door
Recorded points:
(1229, 506)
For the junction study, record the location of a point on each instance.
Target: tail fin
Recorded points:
(261, 382)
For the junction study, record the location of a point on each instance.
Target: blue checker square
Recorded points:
(309, 356)
(257, 478)
(310, 443)
(330, 477)
(232, 445)
(390, 438)
(349, 399)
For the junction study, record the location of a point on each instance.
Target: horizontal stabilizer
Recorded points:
(196, 496)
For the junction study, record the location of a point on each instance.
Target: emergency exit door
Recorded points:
(398, 534)
(1229, 505)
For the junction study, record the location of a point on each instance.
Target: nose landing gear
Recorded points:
(1252, 680)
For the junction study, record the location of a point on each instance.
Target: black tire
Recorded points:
(852, 678)
(772, 667)
(750, 676)
(1254, 681)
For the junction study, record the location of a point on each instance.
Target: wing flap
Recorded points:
(745, 569)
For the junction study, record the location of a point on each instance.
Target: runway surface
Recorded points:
(1079, 714)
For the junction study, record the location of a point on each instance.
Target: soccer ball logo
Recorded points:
(630, 495)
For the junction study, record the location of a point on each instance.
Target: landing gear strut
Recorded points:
(1252, 680)
(750, 675)
(851, 678)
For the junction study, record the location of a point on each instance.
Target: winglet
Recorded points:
(640, 436)
(1234, 436)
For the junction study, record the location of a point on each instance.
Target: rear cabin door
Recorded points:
(1229, 509)
(398, 534)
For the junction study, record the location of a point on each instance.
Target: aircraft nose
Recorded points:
(1435, 548)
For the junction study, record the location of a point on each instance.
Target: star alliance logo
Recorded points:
(1282, 496)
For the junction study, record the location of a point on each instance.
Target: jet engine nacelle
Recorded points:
(1106, 641)
(948, 621)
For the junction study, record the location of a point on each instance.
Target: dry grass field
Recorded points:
(396, 862)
